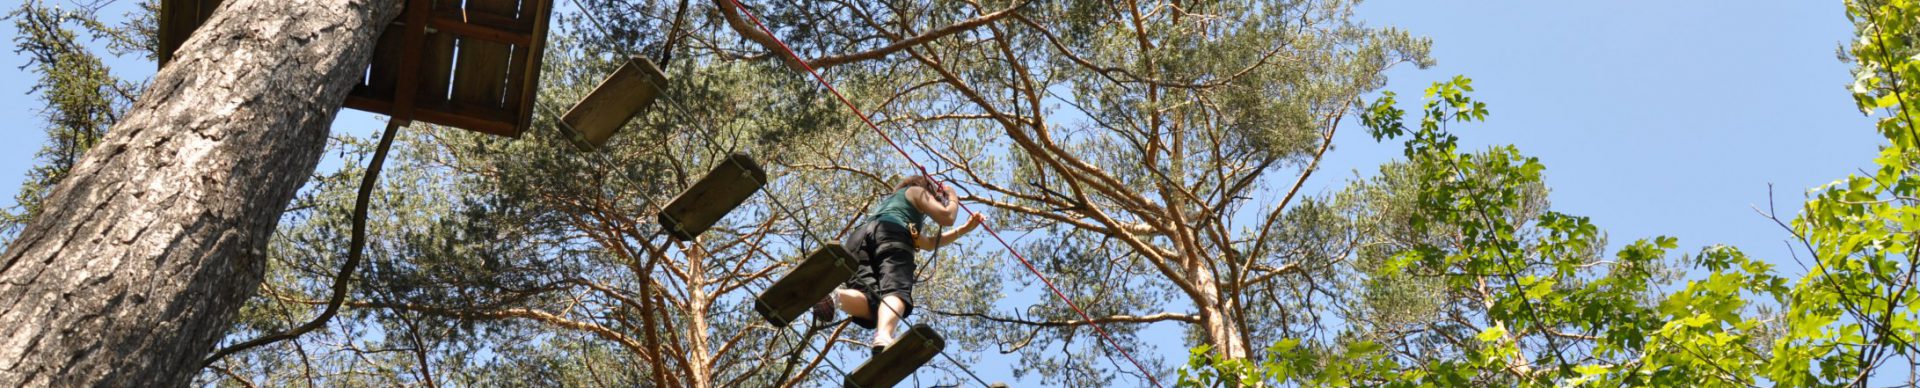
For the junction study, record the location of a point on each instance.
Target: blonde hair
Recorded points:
(917, 180)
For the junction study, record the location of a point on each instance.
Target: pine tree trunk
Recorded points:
(1223, 332)
(141, 257)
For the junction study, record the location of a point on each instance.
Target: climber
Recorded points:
(884, 245)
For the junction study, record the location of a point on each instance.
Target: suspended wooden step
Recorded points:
(625, 94)
(907, 354)
(814, 279)
(729, 184)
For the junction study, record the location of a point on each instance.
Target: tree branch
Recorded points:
(1161, 317)
(356, 248)
(747, 30)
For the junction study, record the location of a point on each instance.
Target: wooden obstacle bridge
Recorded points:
(731, 182)
(631, 91)
(475, 65)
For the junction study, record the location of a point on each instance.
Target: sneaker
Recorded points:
(823, 311)
(880, 347)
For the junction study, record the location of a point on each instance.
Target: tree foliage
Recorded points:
(1527, 299)
(80, 97)
(1148, 155)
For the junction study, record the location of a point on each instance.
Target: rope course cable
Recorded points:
(784, 332)
(713, 145)
(648, 203)
(807, 230)
(785, 49)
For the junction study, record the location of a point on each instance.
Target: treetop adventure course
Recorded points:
(571, 206)
(475, 65)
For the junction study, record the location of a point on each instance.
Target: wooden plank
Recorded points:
(451, 23)
(524, 85)
(178, 20)
(479, 123)
(489, 121)
(206, 11)
(413, 34)
(175, 16)
(899, 360)
(384, 72)
(436, 61)
(730, 183)
(809, 282)
(480, 76)
(627, 93)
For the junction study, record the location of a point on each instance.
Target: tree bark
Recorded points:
(1216, 315)
(145, 252)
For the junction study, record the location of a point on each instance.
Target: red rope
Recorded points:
(963, 206)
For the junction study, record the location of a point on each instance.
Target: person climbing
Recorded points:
(881, 291)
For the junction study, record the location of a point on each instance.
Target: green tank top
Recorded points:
(900, 211)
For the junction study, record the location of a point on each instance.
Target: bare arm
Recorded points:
(940, 212)
(929, 242)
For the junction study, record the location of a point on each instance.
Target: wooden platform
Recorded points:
(415, 75)
(178, 19)
(626, 93)
(907, 354)
(812, 280)
(730, 183)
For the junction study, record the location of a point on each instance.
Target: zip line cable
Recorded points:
(788, 50)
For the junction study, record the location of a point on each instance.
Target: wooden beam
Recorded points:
(178, 20)
(480, 76)
(626, 93)
(812, 280)
(536, 16)
(730, 183)
(436, 66)
(383, 73)
(899, 360)
(412, 37)
(490, 121)
(489, 31)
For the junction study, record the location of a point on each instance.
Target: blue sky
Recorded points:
(1652, 117)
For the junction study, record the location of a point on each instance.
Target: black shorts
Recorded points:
(885, 252)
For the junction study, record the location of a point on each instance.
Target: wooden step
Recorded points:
(809, 282)
(730, 183)
(907, 354)
(629, 92)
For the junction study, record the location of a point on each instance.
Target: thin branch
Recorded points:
(1161, 317)
(746, 30)
(356, 248)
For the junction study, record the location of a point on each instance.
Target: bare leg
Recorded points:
(853, 302)
(890, 308)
